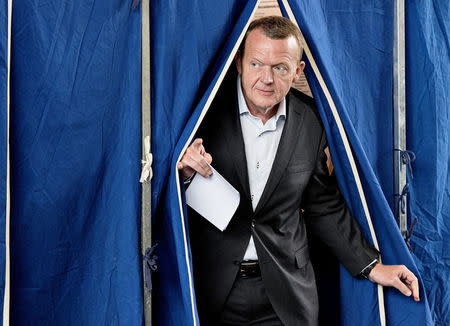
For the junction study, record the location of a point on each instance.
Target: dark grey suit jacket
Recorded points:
(299, 180)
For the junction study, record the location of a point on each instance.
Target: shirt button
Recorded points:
(253, 223)
(257, 165)
(252, 197)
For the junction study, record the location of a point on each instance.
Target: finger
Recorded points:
(202, 169)
(197, 143)
(203, 162)
(399, 285)
(205, 166)
(186, 171)
(415, 290)
(413, 284)
(198, 163)
(190, 164)
(202, 150)
(208, 158)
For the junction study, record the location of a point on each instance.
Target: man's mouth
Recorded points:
(265, 92)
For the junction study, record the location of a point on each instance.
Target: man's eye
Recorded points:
(280, 68)
(254, 64)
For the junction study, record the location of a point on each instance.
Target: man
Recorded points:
(268, 142)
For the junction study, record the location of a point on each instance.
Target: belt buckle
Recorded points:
(249, 269)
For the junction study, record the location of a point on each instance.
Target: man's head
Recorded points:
(269, 62)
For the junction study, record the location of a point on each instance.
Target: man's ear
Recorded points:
(238, 62)
(298, 71)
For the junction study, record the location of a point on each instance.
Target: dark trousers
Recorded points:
(248, 304)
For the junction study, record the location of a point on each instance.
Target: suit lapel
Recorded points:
(294, 120)
(235, 142)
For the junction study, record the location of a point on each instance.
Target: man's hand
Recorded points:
(195, 159)
(397, 276)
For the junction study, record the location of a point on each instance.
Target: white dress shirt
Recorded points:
(261, 144)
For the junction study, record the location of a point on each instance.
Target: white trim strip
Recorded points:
(347, 150)
(197, 125)
(6, 296)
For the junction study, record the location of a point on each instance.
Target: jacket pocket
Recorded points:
(298, 168)
(301, 257)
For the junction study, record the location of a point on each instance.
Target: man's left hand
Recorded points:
(397, 276)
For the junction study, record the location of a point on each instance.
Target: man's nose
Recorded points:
(267, 75)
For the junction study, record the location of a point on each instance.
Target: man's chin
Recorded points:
(266, 107)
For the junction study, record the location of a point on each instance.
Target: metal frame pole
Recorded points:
(399, 115)
(146, 238)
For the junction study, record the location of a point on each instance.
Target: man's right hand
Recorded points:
(195, 159)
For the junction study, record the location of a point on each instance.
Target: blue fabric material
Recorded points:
(76, 148)
(75, 141)
(3, 128)
(352, 45)
(428, 135)
(187, 38)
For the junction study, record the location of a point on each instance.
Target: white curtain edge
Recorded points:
(6, 294)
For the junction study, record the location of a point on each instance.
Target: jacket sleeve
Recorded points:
(330, 220)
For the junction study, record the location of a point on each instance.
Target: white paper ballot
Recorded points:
(214, 198)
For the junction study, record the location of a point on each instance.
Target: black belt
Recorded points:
(249, 268)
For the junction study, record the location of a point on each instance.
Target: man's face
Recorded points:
(268, 68)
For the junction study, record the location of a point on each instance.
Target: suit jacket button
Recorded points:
(253, 223)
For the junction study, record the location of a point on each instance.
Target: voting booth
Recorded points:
(71, 91)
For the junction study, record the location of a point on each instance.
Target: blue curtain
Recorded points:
(428, 135)
(75, 143)
(352, 45)
(3, 127)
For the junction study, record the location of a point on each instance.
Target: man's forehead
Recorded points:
(266, 55)
(258, 42)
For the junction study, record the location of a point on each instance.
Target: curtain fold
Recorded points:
(428, 136)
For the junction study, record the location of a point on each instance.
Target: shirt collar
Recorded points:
(243, 105)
